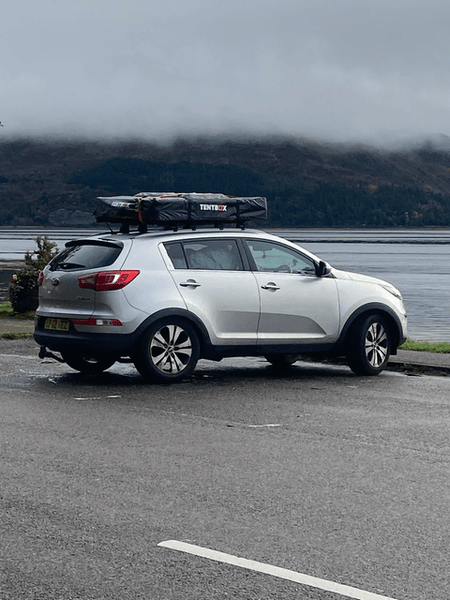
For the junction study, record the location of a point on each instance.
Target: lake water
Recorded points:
(416, 261)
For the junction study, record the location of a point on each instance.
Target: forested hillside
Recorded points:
(307, 184)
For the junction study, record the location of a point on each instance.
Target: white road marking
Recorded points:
(31, 357)
(94, 397)
(253, 565)
(266, 425)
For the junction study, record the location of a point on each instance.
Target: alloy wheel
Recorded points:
(376, 345)
(171, 349)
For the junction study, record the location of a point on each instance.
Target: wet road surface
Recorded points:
(317, 471)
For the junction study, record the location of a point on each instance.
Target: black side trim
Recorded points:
(219, 352)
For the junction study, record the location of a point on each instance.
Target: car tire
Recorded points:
(282, 361)
(86, 364)
(369, 346)
(169, 351)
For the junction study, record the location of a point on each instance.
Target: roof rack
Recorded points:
(180, 210)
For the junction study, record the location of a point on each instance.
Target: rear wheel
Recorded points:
(282, 361)
(169, 351)
(369, 346)
(89, 365)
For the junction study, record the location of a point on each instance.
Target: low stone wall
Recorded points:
(5, 278)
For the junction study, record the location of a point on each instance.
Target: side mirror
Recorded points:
(322, 269)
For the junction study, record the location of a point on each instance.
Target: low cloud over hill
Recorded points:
(307, 184)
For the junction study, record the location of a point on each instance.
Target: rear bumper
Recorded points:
(75, 341)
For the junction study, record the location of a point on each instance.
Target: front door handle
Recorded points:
(270, 286)
(190, 283)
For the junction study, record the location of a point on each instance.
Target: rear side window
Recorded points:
(176, 255)
(209, 255)
(86, 256)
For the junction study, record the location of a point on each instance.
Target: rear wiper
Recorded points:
(71, 265)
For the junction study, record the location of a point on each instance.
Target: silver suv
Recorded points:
(165, 299)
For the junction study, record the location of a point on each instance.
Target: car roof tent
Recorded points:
(179, 209)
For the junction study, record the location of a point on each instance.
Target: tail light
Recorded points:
(105, 281)
(92, 321)
(40, 277)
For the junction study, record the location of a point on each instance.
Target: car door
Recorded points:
(210, 276)
(297, 306)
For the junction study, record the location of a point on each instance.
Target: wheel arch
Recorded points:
(203, 336)
(374, 308)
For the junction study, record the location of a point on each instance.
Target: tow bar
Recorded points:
(44, 353)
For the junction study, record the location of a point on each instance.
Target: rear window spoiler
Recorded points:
(109, 243)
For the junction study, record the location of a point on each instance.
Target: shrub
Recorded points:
(23, 290)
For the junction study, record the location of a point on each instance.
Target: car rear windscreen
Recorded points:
(86, 256)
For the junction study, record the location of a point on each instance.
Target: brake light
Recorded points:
(107, 280)
(41, 277)
(97, 322)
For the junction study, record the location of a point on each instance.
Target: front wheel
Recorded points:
(369, 346)
(89, 365)
(169, 351)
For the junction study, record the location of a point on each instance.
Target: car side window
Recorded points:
(272, 257)
(220, 255)
(176, 255)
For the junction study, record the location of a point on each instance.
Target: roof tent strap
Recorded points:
(238, 213)
(139, 211)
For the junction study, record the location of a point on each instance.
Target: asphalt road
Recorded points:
(320, 472)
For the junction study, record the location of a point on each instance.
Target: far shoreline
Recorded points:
(7, 264)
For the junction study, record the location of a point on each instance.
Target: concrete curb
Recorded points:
(409, 360)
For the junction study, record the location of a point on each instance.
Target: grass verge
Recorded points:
(16, 336)
(6, 312)
(438, 347)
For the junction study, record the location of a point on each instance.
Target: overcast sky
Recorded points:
(158, 69)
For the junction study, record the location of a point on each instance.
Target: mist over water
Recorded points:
(415, 261)
(15, 242)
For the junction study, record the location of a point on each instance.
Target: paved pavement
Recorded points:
(421, 360)
(16, 326)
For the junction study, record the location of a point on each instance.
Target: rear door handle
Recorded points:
(270, 286)
(190, 283)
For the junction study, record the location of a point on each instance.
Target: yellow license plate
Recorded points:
(57, 324)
